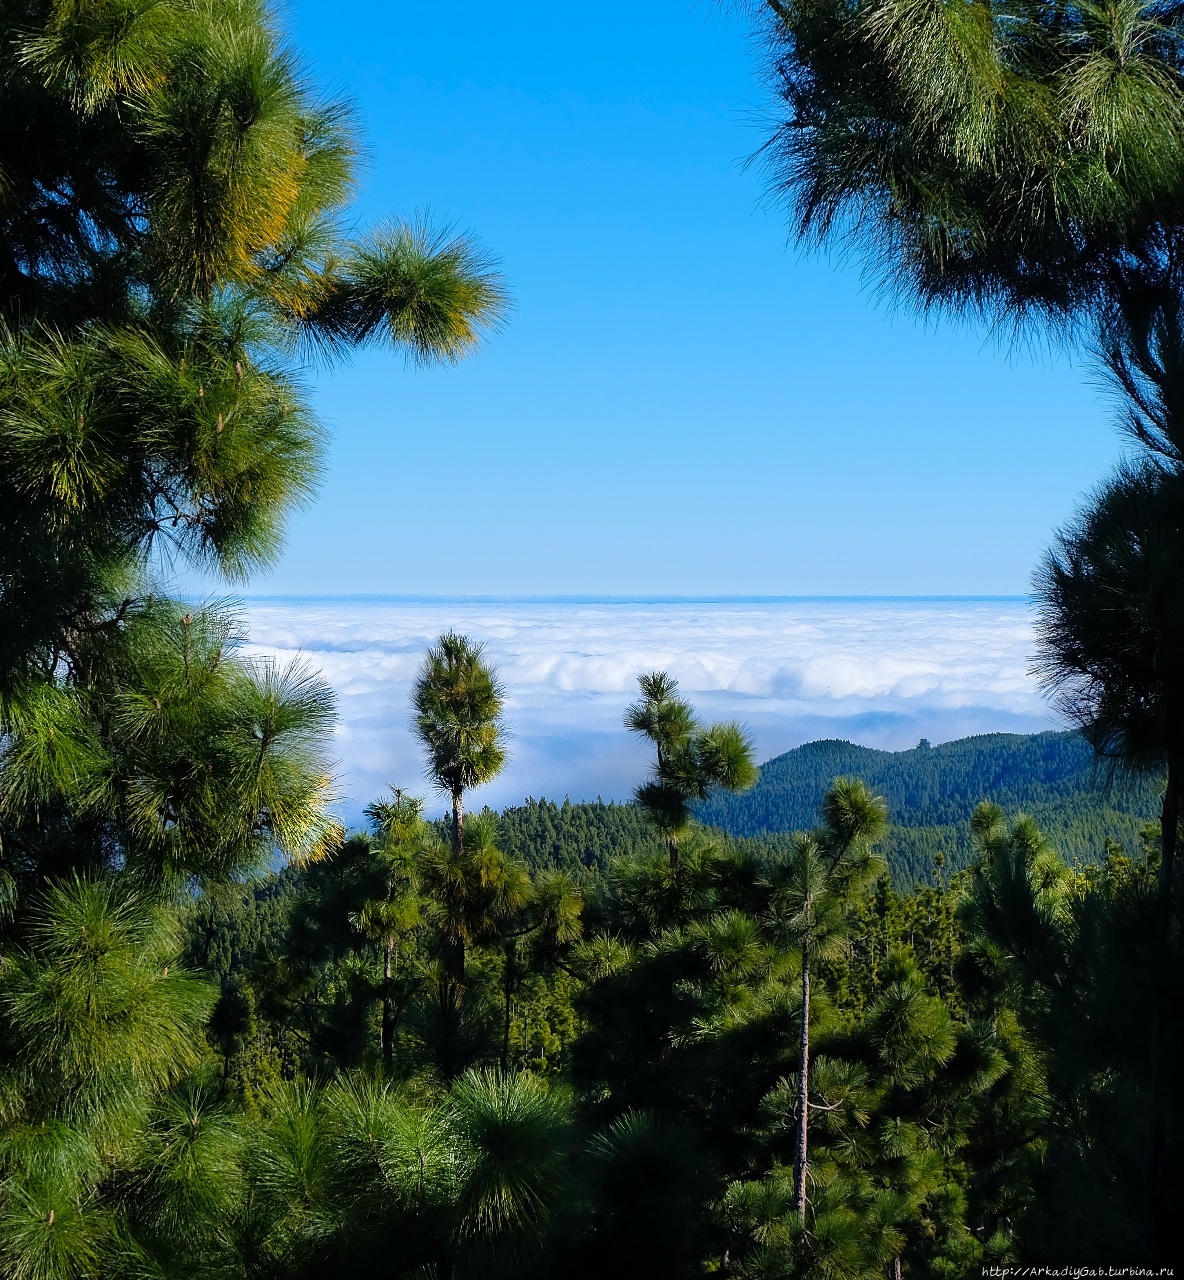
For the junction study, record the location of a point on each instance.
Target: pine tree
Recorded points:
(690, 759)
(1107, 629)
(171, 246)
(391, 916)
(457, 702)
(100, 1022)
(812, 897)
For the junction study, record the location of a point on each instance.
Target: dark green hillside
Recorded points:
(578, 838)
(931, 792)
(237, 922)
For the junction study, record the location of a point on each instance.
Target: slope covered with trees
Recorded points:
(582, 839)
(932, 791)
(931, 794)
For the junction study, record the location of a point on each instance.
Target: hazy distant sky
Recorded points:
(681, 403)
(884, 673)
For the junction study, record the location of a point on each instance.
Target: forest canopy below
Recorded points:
(931, 792)
(1083, 807)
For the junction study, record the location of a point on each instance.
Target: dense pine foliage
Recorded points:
(948, 1105)
(582, 839)
(932, 791)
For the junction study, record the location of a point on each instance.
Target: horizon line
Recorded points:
(490, 598)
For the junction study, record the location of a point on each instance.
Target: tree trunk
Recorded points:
(388, 1009)
(508, 991)
(458, 823)
(452, 980)
(803, 1092)
(447, 1032)
(452, 983)
(1168, 826)
(896, 1272)
(1158, 1141)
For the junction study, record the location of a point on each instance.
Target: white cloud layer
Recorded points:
(882, 673)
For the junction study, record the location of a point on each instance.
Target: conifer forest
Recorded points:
(843, 1019)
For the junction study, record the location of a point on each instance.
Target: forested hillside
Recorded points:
(932, 791)
(577, 838)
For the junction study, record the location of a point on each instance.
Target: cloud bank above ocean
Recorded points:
(883, 673)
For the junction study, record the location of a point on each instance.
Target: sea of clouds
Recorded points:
(882, 673)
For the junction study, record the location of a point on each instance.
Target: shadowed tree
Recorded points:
(690, 759)
(390, 917)
(513, 1140)
(457, 702)
(1071, 955)
(365, 1177)
(472, 894)
(544, 929)
(1109, 633)
(649, 1180)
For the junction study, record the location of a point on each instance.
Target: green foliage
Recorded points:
(699, 1022)
(94, 1004)
(99, 1021)
(932, 791)
(511, 1140)
(343, 960)
(1022, 161)
(172, 220)
(1011, 158)
(690, 759)
(1075, 955)
(1107, 620)
(178, 757)
(581, 839)
(569, 1041)
(173, 209)
(458, 703)
(948, 1086)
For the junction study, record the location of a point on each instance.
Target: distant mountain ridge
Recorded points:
(932, 791)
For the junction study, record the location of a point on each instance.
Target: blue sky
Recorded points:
(682, 403)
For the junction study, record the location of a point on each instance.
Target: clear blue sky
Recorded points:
(682, 403)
